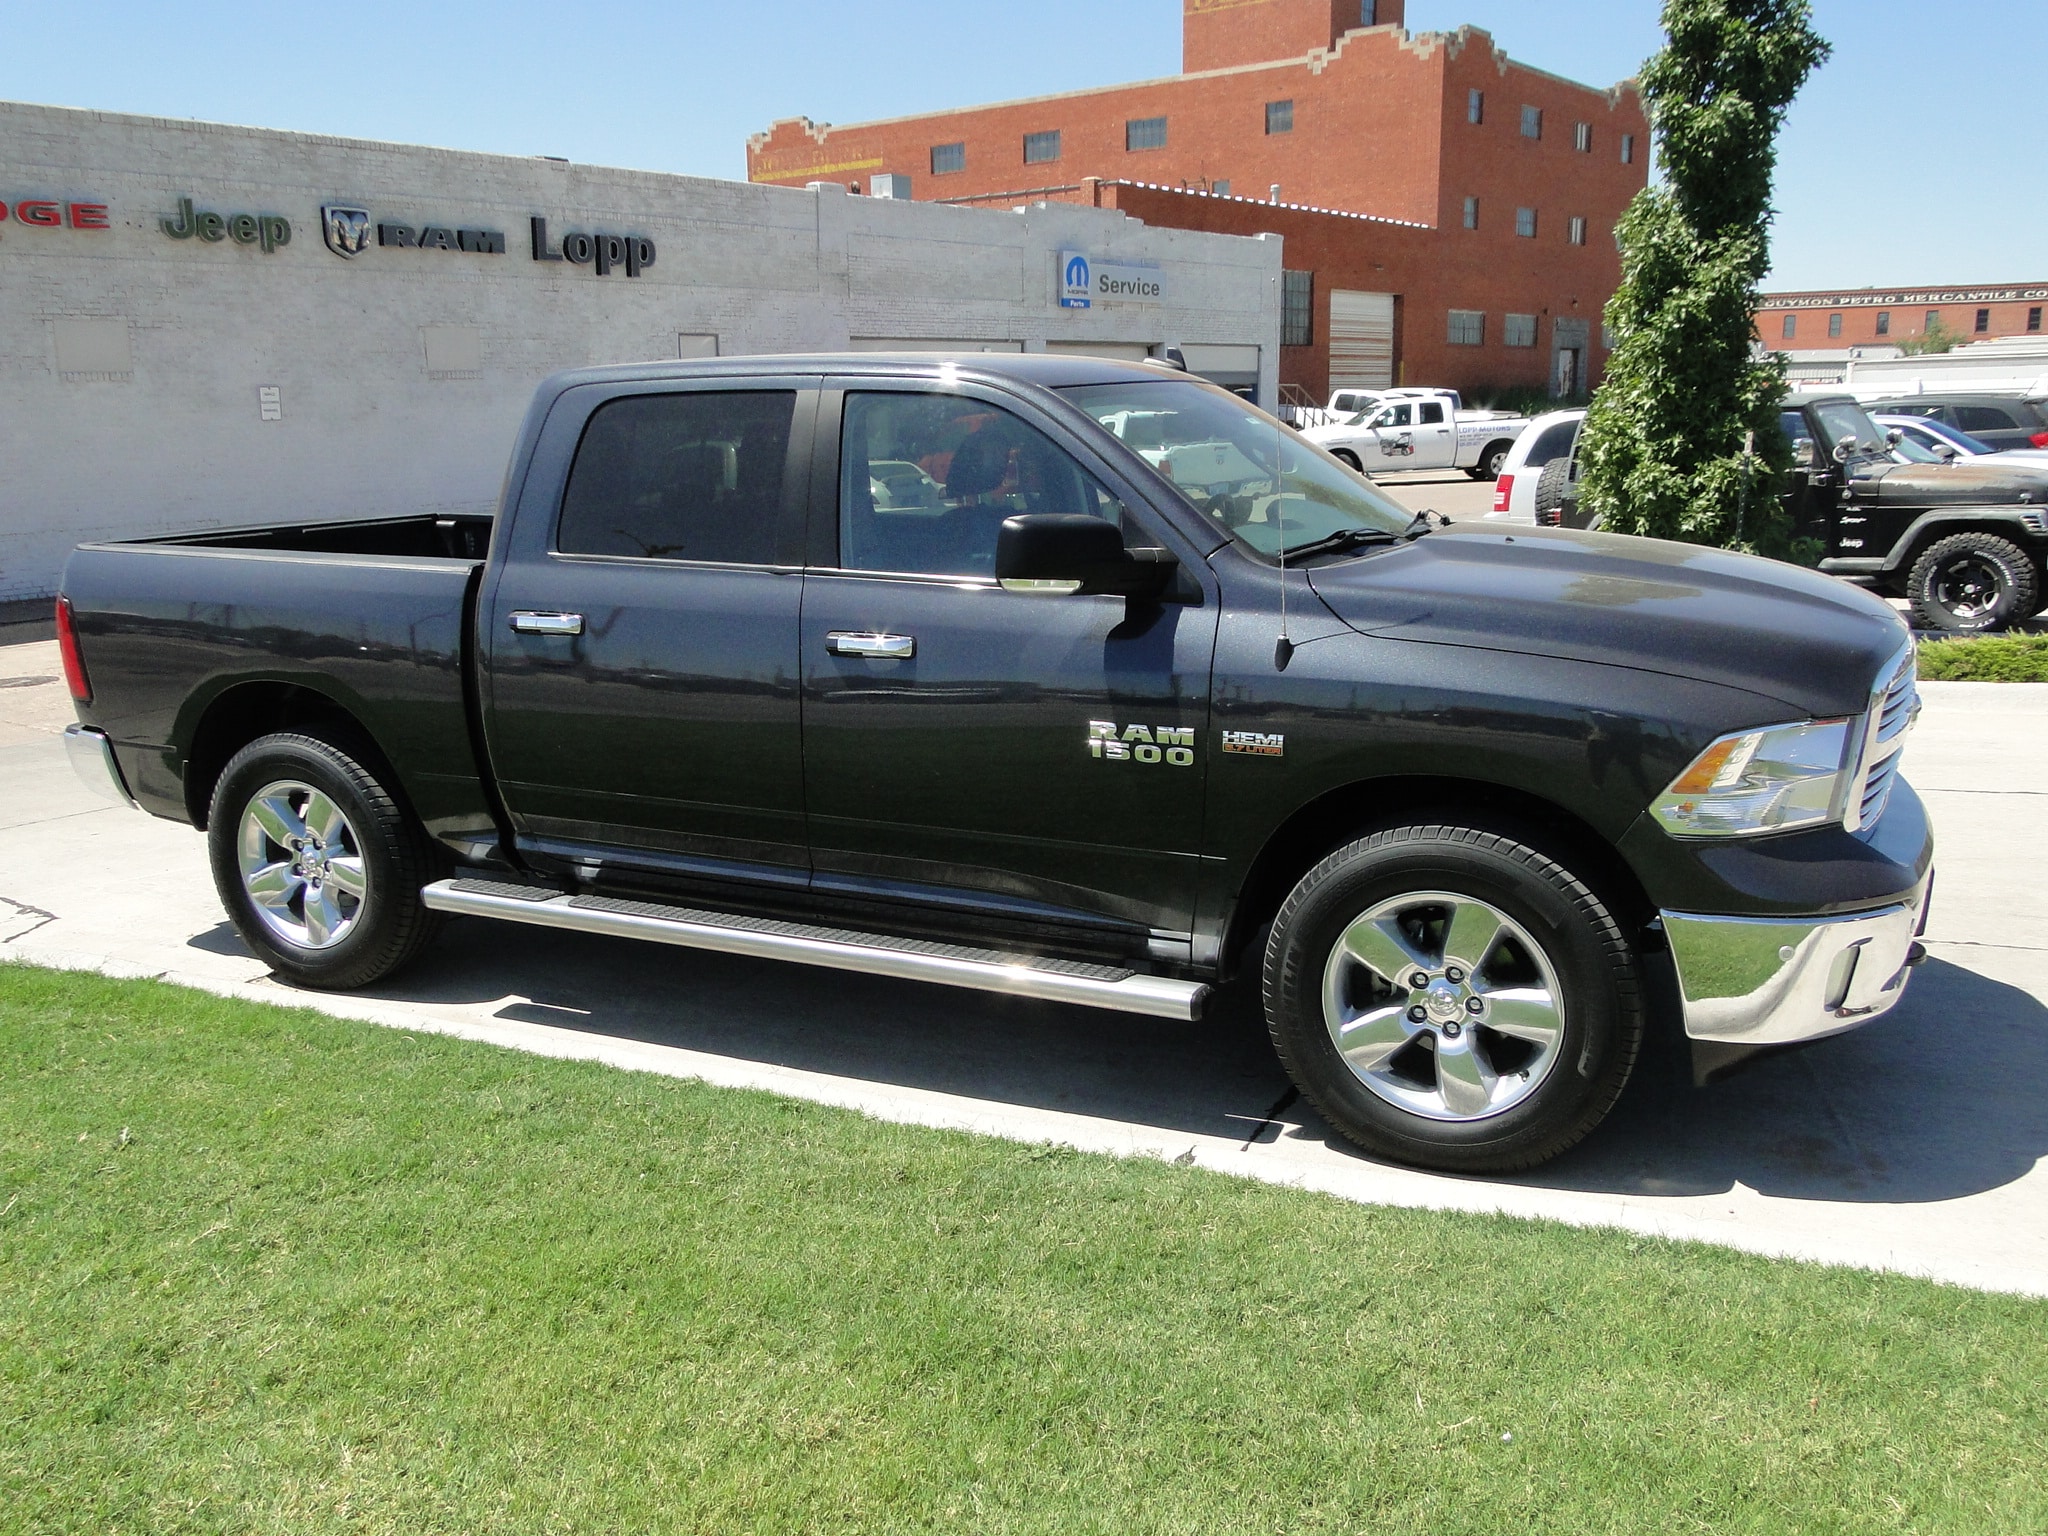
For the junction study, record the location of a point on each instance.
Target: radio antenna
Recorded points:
(1283, 648)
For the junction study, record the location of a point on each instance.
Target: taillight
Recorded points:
(67, 646)
(2039, 439)
(1503, 488)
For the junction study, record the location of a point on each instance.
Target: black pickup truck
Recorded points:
(923, 666)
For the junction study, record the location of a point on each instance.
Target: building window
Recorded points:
(1791, 327)
(1041, 147)
(1145, 133)
(1220, 188)
(1468, 328)
(1471, 213)
(1628, 149)
(1475, 106)
(1279, 117)
(2034, 318)
(1933, 318)
(1578, 231)
(1368, 13)
(1582, 138)
(1834, 325)
(1525, 223)
(947, 158)
(1519, 331)
(1884, 322)
(1532, 122)
(1297, 309)
(1983, 321)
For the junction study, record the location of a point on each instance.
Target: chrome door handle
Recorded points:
(526, 622)
(880, 647)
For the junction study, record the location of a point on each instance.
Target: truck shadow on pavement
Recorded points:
(1942, 1098)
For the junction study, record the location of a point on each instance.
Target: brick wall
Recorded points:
(1218, 34)
(1371, 121)
(2013, 310)
(1432, 272)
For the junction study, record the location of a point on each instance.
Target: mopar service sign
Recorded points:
(1085, 281)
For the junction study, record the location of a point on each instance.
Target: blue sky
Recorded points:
(1913, 157)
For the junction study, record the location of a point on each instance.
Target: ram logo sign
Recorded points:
(1173, 745)
(347, 229)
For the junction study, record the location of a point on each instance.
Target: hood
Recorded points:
(1982, 482)
(1812, 641)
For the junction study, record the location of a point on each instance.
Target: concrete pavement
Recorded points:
(1916, 1144)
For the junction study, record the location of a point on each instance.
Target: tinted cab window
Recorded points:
(680, 477)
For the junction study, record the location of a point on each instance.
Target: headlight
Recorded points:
(1772, 780)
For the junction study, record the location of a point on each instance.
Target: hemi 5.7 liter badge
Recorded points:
(1255, 744)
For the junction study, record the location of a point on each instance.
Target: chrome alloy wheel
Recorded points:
(302, 865)
(1443, 1006)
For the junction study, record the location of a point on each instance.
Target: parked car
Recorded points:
(1474, 808)
(1545, 441)
(1923, 436)
(1422, 429)
(1999, 421)
(1964, 542)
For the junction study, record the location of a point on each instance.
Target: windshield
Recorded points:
(1844, 421)
(1220, 454)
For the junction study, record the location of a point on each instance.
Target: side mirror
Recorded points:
(1895, 437)
(1803, 456)
(1054, 554)
(1844, 449)
(1946, 452)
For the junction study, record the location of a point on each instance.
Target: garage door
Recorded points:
(1361, 340)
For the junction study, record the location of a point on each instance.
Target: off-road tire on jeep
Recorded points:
(318, 864)
(1483, 1093)
(1491, 462)
(1970, 582)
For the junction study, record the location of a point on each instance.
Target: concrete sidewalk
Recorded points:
(1916, 1144)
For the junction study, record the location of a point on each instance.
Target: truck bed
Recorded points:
(365, 621)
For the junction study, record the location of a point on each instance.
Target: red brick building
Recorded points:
(1490, 190)
(1838, 319)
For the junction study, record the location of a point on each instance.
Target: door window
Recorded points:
(926, 482)
(1432, 414)
(680, 477)
(1396, 416)
(1983, 418)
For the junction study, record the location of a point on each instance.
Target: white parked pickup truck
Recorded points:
(1422, 429)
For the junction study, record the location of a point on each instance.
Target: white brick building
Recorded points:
(181, 347)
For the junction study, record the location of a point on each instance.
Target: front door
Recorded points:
(640, 647)
(1038, 751)
(1391, 444)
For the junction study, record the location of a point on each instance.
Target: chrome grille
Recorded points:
(1894, 705)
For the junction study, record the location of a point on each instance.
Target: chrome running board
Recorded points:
(952, 965)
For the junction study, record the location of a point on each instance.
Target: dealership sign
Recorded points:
(347, 232)
(1085, 282)
(48, 213)
(602, 253)
(268, 230)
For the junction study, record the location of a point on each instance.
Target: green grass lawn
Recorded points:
(264, 1270)
(1986, 659)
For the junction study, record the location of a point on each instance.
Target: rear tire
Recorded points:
(1348, 458)
(1971, 582)
(1507, 1055)
(1491, 462)
(318, 865)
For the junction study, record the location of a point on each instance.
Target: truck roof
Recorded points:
(1047, 370)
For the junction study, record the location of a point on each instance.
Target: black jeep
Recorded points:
(1963, 540)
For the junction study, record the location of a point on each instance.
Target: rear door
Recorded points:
(640, 641)
(1035, 753)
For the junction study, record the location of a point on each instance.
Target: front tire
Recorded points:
(1970, 582)
(318, 865)
(1449, 997)
(1349, 459)
(1491, 462)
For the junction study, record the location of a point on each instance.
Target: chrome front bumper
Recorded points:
(1777, 981)
(92, 759)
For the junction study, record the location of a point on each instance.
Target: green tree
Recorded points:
(1682, 441)
(1936, 338)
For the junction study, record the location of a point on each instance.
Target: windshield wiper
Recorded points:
(1356, 538)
